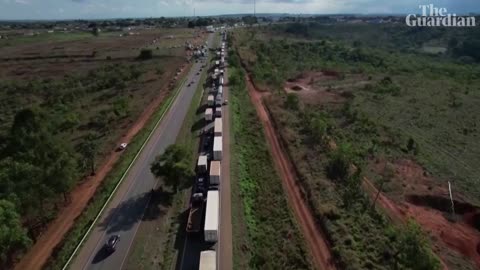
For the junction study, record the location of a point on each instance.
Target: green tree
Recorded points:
(88, 148)
(174, 166)
(32, 144)
(13, 237)
(292, 101)
(339, 162)
(145, 54)
(413, 251)
(120, 107)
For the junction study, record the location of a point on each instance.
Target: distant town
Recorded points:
(129, 26)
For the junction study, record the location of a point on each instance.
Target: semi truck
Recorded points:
(210, 228)
(208, 114)
(194, 223)
(215, 173)
(208, 260)
(217, 148)
(217, 127)
(210, 100)
(202, 164)
(218, 112)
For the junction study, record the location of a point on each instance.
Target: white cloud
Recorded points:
(164, 3)
(23, 2)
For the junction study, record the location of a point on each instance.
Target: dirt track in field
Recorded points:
(316, 242)
(43, 248)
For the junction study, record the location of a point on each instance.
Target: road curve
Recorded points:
(124, 213)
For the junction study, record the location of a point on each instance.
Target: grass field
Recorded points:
(90, 91)
(271, 239)
(366, 104)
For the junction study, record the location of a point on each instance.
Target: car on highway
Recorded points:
(122, 146)
(111, 243)
(225, 102)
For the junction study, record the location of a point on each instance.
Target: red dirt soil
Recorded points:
(315, 239)
(41, 251)
(428, 207)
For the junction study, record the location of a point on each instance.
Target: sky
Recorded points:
(101, 9)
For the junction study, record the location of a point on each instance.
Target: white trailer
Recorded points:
(202, 164)
(217, 127)
(215, 172)
(210, 100)
(210, 228)
(208, 114)
(221, 81)
(217, 147)
(220, 88)
(218, 112)
(208, 260)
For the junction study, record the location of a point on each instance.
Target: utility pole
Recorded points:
(451, 197)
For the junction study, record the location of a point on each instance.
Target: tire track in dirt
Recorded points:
(315, 239)
(80, 197)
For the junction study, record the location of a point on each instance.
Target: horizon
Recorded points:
(60, 10)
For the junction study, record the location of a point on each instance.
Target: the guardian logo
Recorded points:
(435, 17)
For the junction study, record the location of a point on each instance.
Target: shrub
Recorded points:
(145, 54)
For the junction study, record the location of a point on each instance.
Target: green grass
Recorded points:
(272, 240)
(71, 240)
(430, 99)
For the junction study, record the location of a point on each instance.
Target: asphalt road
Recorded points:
(189, 257)
(224, 249)
(124, 213)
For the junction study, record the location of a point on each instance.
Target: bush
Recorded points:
(145, 54)
(292, 102)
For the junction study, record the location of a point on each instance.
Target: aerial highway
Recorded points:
(124, 213)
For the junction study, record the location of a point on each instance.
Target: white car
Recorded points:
(123, 146)
(225, 102)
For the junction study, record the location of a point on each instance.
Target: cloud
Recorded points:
(23, 2)
(164, 3)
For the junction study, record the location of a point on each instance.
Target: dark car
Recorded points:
(112, 242)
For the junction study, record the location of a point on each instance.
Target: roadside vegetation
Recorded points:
(347, 111)
(56, 128)
(71, 240)
(265, 235)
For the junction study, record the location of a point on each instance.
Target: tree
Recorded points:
(412, 247)
(173, 165)
(145, 54)
(292, 101)
(50, 162)
(387, 174)
(339, 163)
(88, 149)
(12, 236)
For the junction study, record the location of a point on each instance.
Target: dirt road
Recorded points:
(314, 238)
(41, 251)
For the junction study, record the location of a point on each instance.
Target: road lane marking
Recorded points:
(121, 179)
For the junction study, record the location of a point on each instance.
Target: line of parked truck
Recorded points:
(205, 201)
